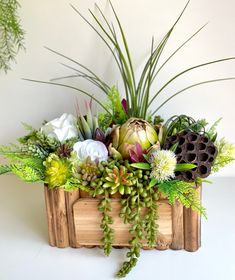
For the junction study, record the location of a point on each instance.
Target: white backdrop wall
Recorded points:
(54, 24)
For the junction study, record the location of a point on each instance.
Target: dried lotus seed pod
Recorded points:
(193, 148)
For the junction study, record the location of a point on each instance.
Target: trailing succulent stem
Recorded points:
(105, 208)
(151, 217)
(135, 218)
(140, 210)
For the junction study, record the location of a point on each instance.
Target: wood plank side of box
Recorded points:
(74, 220)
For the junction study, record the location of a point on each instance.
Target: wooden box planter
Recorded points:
(73, 220)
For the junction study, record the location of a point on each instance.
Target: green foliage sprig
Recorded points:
(5, 169)
(177, 124)
(117, 114)
(184, 192)
(38, 138)
(28, 173)
(225, 156)
(11, 33)
(22, 163)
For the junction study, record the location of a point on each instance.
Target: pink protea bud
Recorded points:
(137, 153)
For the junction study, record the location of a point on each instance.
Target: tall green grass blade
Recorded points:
(191, 86)
(157, 54)
(70, 87)
(84, 76)
(187, 70)
(124, 69)
(76, 62)
(180, 47)
(125, 45)
(99, 34)
(103, 84)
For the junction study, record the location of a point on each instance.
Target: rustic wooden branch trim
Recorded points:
(163, 243)
(50, 220)
(61, 219)
(177, 226)
(75, 222)
(70, 199)
(192, 228)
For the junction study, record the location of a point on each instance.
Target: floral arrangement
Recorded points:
(126, 150)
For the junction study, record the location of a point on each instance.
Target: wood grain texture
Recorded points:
(177, 226)
(70, 198)
(192, 228)
(60, 218)
(87, 223)
(50, 220)
(84, 194)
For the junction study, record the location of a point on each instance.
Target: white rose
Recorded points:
(62, 128)
(96, 150)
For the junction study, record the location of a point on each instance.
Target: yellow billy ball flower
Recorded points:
(163, 165)
(57, 171)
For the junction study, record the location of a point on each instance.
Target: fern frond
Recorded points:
(27, 173)
(5, 169)
(225, 156)
(75, 184)
(184, 192)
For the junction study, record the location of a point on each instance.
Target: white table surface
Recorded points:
(26, 255)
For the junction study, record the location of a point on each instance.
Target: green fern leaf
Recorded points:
(5, 169)
(185, 192)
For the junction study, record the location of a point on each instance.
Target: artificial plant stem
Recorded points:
(88, 78)
(98, 33)
(181, 46)
(76, 62)
(159, 50)
(187, 70)
(194, 85)
(124, 70)
(126, 47)
(144, 73)
(126, 78)
(148, 82)
(70, 87)
(145, 77)
(112, 30)
(102, 84)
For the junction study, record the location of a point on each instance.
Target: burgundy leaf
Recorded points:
(99, 135)
(124, 105)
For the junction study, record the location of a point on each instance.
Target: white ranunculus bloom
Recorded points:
(96, 150)
(62, 128)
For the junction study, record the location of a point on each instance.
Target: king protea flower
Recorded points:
(134, 131)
